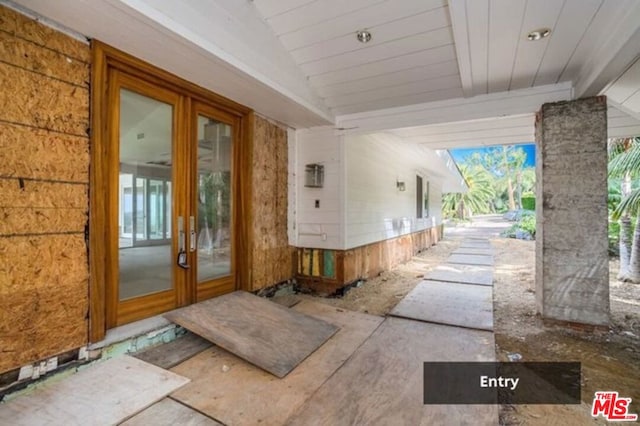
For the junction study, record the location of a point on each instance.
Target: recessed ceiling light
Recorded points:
(363, 36)
(538, 34)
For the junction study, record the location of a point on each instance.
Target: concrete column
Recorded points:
(572, 262)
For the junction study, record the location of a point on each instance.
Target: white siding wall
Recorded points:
(376, 210)
(321, 227)
(359, 203)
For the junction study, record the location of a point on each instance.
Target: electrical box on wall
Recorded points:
(314, 176)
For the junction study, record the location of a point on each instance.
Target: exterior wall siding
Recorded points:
(322, 226)
(376, 210)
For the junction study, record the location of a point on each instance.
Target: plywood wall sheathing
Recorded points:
(21, 53)
(44, 164)
(20, 26)
(43, 297)
(272, 255)
(39, 101)
(43, 154)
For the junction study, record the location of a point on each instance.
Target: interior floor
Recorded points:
(147, 270)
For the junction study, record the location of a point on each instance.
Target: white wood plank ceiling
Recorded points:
(430, 50)
(410, 59)
(299, 62)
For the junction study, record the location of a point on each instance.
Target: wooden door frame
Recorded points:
(104, 59)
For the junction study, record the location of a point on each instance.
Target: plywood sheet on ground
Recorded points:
(170, 413)
(461, 305)
(106, 393)
(471, 250)
(266, 334)
(173, 353)
(470, 259)
(382, 383)
(465, 274)
(237, 393)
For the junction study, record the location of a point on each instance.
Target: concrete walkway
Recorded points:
(457, 293)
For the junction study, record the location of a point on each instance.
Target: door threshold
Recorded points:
(151, 326)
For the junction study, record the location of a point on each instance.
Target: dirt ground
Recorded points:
(610, 360)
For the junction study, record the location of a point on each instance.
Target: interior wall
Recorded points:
(44, 165)
(272, 256)
(376, 209)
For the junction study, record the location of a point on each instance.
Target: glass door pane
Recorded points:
(145, 250)
(214, 199)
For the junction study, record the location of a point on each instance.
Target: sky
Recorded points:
(460, 154)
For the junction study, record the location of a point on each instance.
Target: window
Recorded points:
(419, 197)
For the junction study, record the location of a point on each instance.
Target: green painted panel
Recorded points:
(329, 264)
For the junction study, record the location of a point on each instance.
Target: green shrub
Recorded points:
(528, 202)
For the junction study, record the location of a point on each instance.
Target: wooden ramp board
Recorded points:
(264, 333)
(237, 393)
(465, 274)
(462, 305)
(106, 393)
(470, 250)
(470, 259)
(168, 412)
(173, 353)
(382, 383)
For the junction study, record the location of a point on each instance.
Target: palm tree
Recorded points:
(625, 163)
(478, 197)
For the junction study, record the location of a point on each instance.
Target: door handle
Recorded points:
(182, 254)
(192, 234)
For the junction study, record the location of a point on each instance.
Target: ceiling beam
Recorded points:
(461, 109)
(460, 27)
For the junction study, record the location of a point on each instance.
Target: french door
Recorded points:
(170, 199)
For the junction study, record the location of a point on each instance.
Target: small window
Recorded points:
(426, 200)
(419, 197)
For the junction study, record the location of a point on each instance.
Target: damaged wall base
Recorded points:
(325, 271)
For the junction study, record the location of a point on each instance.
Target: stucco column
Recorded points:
(572, 262)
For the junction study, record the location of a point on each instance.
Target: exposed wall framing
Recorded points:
(325, 271)
(44, 165)
(272, 257)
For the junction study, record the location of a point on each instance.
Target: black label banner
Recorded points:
(502, 382)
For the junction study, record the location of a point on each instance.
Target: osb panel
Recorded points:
(40, 101)
(24, 27)
(41, 221)
(43, 297)
(24, 54)
(26, 193)
(272, 255)
(40, 154)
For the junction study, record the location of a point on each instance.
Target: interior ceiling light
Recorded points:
(538, 34)
(363, 36)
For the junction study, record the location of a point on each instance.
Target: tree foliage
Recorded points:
(624, 203)
(502, 173)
